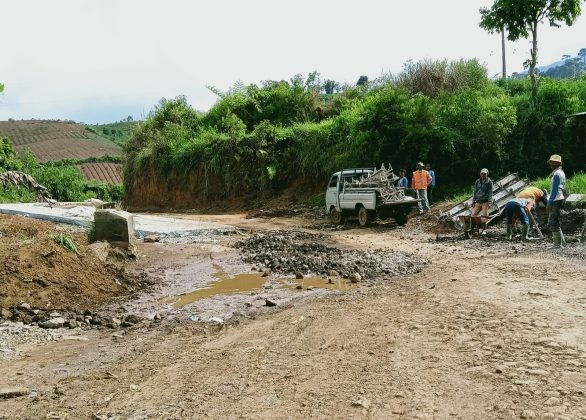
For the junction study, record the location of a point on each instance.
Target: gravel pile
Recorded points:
(15, 334)
(301, 253)
(51, 319)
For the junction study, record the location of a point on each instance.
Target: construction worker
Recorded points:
(482, 197)
(537, 194)
(420, 181)
(518, 208)
(403, 182)
(556, 200)
(432, 185)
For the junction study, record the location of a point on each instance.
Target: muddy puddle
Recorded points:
(226, 284)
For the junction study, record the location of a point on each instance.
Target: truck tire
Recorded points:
(364, 217)
(335, 216)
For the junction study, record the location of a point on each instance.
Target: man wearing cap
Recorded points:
(482, 194)
(419, 182)
(556, 200)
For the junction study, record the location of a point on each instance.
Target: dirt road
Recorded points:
(486, 330)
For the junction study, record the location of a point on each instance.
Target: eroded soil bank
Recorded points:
(485, 329)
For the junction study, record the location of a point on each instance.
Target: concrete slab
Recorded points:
(144, 224)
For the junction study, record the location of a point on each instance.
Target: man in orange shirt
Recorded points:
(420, 180)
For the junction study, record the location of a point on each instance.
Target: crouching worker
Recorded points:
(518, 208)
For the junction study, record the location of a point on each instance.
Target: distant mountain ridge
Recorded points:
(568, 66)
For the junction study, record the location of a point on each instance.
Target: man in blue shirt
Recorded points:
(556, 200)
(431, 186)
(403, 182)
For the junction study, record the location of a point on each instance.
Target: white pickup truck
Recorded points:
(366, 193)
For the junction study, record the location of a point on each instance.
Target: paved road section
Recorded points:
(145, 224)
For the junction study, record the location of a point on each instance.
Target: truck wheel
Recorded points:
(335, 216)
(364, 217)
(401, 218)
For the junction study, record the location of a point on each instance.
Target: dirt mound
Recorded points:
(38, 271)
(297, 252)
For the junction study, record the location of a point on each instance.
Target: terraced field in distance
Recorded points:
(56, 140)
(102, 171)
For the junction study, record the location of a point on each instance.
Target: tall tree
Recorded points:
(582, 54)
(520, 18)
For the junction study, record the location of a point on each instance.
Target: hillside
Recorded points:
(119, 132)
(59, 140)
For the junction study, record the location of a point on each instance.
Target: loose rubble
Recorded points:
(298, 252)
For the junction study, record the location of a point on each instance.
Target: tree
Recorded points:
(330, 86)
(521, 17)
(362, 81)
(582, 55)
(1, 88)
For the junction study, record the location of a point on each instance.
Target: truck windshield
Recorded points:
(334, 181)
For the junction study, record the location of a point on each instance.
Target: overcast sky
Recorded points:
(102, 60)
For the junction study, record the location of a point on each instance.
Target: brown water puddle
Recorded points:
(241, 283)
(224, 285)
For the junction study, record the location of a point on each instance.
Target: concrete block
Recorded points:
(116, 227)
(575, 201)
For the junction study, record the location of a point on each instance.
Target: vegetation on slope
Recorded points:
(119, 132)
(64, 180)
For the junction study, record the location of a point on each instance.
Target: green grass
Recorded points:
(118, 133)
(67, 241)
(318, 200)
(576, 183)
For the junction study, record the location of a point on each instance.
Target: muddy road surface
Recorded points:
(477, 329)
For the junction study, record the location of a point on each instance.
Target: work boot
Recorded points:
(563, 243)
(509, 232)
(525, 233)
(557, 240)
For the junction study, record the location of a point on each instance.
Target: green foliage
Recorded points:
(261, 139)
(64, 239)
(8, 159)
(576, 183)
(431, 77)
(519, 18)
(119, 132)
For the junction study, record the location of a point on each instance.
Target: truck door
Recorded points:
(332, 194)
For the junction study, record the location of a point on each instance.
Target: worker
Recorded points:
(432, 185)
(539, 195)
(403, 182)
(420, 181)
(519, 208)
(556, 200)
(482, 197)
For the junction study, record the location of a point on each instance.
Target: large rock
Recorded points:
(116, 227)
(100, 250)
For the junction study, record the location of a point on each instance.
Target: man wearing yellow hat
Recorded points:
(556, 200)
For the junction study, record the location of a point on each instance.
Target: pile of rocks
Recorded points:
(300, 253)
(51, 319)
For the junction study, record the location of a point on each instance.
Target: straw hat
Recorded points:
(555, 158)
